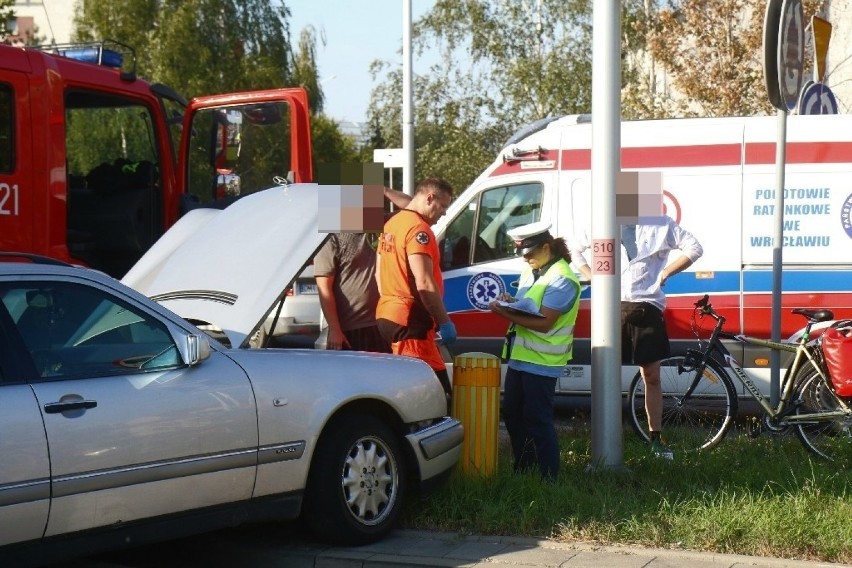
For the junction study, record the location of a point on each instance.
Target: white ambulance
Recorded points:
(719, 182)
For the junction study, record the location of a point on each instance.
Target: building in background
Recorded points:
(42, 21)
(839, 61)
(358, 131)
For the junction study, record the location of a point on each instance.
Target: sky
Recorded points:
(357, 32)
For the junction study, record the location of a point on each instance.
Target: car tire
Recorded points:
(356, 484)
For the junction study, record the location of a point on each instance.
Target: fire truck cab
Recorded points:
(96, 163)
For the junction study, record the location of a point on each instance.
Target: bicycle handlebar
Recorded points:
(704, 305)
(705, 308)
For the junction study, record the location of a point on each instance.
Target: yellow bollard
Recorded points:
(476, 404)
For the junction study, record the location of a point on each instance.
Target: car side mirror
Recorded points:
(227, 185)
(196, 349)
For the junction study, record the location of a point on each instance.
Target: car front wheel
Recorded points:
(356, 483)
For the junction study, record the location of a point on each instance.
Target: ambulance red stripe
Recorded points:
(704, 155)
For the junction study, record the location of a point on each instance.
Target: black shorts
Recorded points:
(643, 334)
(393, 332)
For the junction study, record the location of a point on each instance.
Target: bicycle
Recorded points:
(700, 401)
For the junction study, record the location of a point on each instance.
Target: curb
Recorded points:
(412, 548)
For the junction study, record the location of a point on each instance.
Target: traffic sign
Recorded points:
(770, 52)
(821, 30)
(783, 52)
(817, 98)
(791, 52)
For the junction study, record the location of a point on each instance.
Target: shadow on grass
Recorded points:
(762, 496)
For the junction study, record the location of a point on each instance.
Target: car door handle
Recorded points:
(57, 407)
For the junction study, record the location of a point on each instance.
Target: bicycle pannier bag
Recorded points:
(837, 350)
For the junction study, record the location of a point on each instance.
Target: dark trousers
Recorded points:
(528, 415)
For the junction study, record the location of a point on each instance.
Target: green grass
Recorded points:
(761, 496)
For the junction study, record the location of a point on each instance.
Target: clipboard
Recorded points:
(523, 306)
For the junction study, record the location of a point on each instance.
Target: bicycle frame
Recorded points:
(786, 405)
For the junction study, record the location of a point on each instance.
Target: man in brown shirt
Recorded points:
(345, 272)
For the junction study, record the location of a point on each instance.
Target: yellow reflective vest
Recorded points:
(554, 347)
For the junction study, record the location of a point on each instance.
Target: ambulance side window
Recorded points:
(478, 234)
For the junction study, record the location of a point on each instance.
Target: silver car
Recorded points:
(123, 422)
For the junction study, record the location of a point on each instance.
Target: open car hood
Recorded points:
(230, 267)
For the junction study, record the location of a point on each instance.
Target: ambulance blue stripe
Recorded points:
(760, 281)
(754, 281)
(800, 281)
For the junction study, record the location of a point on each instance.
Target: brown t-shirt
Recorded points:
(350, 259)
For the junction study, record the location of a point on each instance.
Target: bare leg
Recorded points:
(653, 395)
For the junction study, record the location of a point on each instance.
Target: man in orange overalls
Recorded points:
(411, 287)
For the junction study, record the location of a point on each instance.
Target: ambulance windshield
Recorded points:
(478, 233)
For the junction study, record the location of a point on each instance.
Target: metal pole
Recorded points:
(407, 103)
(607, 450)
(777, 246)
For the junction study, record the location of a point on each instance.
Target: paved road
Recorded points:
(283, 545)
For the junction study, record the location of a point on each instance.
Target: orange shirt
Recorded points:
(405, 233)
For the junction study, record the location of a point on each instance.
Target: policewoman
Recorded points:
(539, 343)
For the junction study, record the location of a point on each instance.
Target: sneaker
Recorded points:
(660, 450)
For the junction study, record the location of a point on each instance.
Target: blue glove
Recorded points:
(448, 333)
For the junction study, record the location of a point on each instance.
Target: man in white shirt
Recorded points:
(645, 268)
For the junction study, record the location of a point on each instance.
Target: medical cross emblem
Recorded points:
(484, 289)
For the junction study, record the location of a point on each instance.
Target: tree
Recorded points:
(450, 137)
(306, 69)
(202, 47)
(7, 13)
(700, 57)
(528, 58)
(503, 65)
(131, 22)
(330, 144)
(198, 46)
(236, 44)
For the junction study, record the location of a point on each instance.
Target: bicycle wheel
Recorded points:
(689, 424)
(829, 438)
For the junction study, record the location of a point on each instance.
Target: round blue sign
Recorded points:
(846, 216)
(817, 98)
(484, 289)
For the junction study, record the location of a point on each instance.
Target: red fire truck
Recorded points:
(96, 163)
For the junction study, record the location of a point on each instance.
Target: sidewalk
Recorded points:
(405, 548)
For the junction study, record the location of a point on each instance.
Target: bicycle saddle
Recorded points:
(815, 315)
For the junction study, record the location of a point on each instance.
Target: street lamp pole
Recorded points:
(407, 102)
